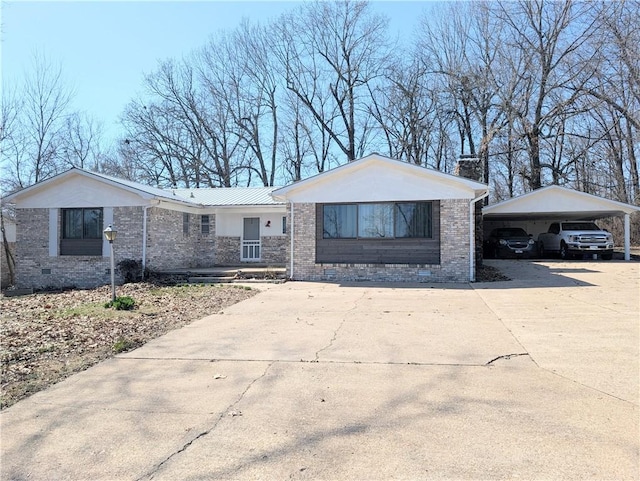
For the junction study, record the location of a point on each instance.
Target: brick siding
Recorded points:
(454, 256)
(167, 248)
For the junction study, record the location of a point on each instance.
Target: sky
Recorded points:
(105, 47)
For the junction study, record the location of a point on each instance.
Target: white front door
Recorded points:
(250, 249)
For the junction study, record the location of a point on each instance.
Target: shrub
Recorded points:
(122, 303)
(131, 270)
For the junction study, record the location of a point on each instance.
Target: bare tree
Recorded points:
(331, 54)
(545, 37)
(406, 109)
(46, 105)
(81, 141)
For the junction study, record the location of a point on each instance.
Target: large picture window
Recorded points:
(81, 232)
(413, 219)
(340, 221)
(378, 221)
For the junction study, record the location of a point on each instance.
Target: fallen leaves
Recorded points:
(45, 338)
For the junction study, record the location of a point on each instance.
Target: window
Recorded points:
(340, 221)
(284, 224)
(185, 224)
(377, 221)
(204, 224)
(81, 232)
(413, 219)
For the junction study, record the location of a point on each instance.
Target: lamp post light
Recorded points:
(110, 234)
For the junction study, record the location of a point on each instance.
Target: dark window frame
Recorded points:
(185, 224)
(85, 237)
(205, 227)
(428, 205)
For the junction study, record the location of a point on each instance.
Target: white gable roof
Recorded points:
(376, 178)
(556, 202)
(81, 188)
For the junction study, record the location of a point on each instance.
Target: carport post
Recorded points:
(627, 237)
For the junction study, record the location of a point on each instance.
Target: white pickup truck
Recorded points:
(572, 238)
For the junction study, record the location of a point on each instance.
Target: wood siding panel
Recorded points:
(81, 247)
(379, 251)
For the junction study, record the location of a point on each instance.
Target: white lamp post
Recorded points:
(110, 234)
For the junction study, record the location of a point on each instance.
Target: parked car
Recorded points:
(509, 242)
(569, 239)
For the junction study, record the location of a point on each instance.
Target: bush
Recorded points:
(131, 270)
(122, 303)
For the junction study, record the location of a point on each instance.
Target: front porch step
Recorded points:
(228, 274)
(211, 280)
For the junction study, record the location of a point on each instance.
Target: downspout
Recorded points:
(472, 236)
(291, 246)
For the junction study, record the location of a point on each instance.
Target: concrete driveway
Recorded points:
(533, 378)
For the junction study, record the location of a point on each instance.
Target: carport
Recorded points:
(536, 210)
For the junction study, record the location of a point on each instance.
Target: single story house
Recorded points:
(60, 223)
(536, 210)
(380, 219)
(371, 219)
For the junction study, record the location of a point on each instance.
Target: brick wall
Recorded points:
(170, 248)
(454, 256)
(36, 269)
(167, 248)
(274, 250)
(228, 251)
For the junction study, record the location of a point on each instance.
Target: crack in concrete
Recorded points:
(506, 357)
(158, 467)
(335, 332)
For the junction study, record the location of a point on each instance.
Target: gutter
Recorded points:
(472, 236)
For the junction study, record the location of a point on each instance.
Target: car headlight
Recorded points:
(531, 242)
(502, 242)
(573, 238)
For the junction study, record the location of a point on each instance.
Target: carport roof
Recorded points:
(556, 202)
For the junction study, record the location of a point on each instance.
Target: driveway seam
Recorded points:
(227, 411)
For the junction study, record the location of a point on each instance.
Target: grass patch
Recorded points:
(124, 345)
(122, 303)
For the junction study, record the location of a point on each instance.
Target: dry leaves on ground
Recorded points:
(45, 338)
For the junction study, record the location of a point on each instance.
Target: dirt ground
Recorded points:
(46, 337)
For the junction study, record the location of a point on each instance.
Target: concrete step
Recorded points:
(211, 279)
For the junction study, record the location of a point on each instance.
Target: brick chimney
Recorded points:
(470, 167)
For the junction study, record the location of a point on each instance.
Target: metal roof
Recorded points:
(228, 196)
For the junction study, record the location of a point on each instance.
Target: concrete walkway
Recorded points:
(534, 378)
